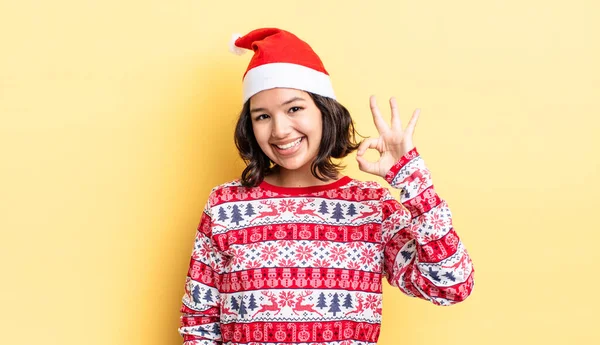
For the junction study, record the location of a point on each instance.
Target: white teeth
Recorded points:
(290, 145)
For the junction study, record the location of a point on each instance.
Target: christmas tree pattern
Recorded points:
(196, 294)
(406, 255)
(323, 208)
(434, 274)
(236, 215)
(321, 301)
(252, 303)
(216, 329)
(234, 304)
(202, 331)
(351, 210)
(335, 304)
(348, 301)
(338, 213)
(249, 210)
(222, 214)
(243, 310)
(450, 276)
(208, 295)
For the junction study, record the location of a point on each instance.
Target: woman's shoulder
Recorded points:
(364, 190)
(229, 184)
(355, 183)
(232, 186)
(230, 191)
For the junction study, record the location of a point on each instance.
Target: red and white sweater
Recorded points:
(274, 265)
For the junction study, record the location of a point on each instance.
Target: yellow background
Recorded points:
(117, 117)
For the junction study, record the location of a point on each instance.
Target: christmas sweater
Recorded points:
(274, 265)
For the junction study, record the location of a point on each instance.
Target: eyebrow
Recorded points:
(282, 104)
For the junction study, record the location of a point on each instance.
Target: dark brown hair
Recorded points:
(337, 141)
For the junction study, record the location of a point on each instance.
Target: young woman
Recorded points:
(294, 252)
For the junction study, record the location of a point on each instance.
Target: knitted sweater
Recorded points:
(274, 265)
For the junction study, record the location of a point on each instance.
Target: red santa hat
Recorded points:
(281, 60)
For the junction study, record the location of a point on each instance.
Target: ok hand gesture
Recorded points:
(392, 143)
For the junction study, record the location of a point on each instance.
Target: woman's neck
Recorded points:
(295, 178)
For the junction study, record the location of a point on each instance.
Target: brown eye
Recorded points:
(294, 109)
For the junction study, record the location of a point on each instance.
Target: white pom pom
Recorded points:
(233, 48)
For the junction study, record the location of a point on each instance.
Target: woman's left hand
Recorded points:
(392, 144)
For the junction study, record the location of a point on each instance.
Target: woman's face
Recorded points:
(287, 126)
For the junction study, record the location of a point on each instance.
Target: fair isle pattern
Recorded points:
(305, 265)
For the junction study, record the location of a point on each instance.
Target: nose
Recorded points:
(281, 127)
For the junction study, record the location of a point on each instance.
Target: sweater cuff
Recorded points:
(409, 156)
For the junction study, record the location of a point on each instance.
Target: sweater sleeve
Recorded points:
(423, 255)
(200, 310)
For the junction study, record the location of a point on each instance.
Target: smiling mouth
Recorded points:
(290, 145)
